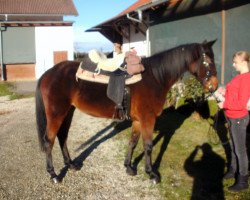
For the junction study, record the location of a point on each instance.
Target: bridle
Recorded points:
(207, 65)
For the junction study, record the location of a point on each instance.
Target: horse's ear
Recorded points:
(211, 43)
(204, 42)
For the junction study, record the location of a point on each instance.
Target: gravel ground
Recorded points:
(91, 140)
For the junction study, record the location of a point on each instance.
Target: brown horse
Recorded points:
(58, 94)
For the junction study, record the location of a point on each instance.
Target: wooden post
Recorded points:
(223, 42)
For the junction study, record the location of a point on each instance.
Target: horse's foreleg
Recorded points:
(135, 135)
(148, 146)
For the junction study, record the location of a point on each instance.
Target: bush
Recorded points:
(186, 90)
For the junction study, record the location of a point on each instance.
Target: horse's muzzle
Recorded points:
(211, 85)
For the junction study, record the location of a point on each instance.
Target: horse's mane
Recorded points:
(172, 63)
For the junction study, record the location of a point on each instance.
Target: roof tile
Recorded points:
(47, 7)
(134, 6)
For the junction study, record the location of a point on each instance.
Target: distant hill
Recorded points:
(83, 47)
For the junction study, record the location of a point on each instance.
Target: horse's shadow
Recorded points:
(166, 125)
(171, 119)
(93, 143)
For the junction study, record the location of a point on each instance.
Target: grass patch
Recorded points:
(188, 172)
(6, 89)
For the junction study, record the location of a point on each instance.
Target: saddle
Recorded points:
(102, 77)
(115, 73)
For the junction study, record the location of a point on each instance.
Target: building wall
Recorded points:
(17, 72)
(237, 25)
(19, 45)
(137, 40)
(188, 30)
(49, 40)
(208, 26)
(29, 51)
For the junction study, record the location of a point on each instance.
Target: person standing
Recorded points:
(237, 94)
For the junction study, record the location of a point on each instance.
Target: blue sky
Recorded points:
(94, 12)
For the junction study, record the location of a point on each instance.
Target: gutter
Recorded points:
(37, 15)
(143, 8)
(140, 19)
(38, 22)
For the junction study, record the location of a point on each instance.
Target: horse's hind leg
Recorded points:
(49, 143)
(135, 135)
(53, 126)
(62, 138)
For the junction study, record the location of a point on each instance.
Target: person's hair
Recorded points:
(245, 56)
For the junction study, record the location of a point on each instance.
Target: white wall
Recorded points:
(137, 40)
(48, 40)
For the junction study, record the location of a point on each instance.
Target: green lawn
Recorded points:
(6, 89)
(184, 172)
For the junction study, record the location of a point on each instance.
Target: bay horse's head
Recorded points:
(169, 65)
(204, 68)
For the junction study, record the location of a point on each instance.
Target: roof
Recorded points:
(107, 28)
(143, 3)
(38, 7)
(159, 11)
(135, 6)
(169, 4)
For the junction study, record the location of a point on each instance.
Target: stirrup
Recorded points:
(119, 114)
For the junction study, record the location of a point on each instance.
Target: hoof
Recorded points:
(155, 178)
(131, 171)
(55, 180)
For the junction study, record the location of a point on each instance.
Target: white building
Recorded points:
(34, 38)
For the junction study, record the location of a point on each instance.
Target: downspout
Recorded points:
(139, 20)
(1, 53)
(223, 43)
(148, 44)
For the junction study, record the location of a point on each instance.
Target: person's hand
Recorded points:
(133, 61)
(131, 58)
(222, 90)
(221, 104)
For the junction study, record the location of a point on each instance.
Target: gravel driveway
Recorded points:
(91, 140)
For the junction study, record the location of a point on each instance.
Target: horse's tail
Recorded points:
(41, 121)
